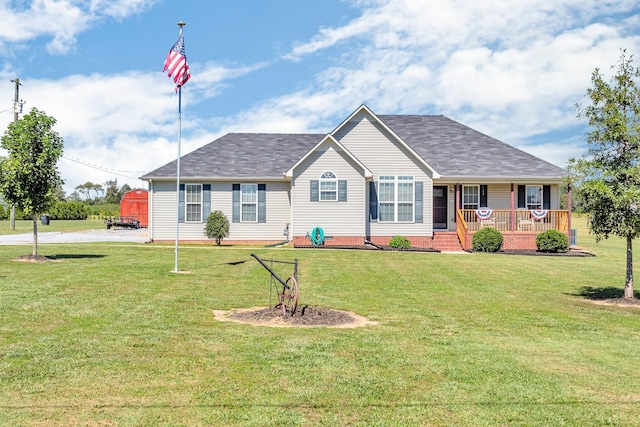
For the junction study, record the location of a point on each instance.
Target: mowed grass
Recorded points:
(24, 226)
(107, 335)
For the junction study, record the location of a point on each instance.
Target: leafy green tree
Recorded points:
(217, 226)
(124, 189)
(29, 177)
(609, 174)
(111, 193)
(86, 189)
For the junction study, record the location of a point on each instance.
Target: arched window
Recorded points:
(328, 187)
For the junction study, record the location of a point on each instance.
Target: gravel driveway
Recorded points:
(113, 235)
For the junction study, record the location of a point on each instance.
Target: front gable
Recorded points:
(378, 147)
(329, 143)
(342, 213)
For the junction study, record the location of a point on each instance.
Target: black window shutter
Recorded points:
(314, 190)
(181, 204)
(262, 203)
(546, 197)
(373, 202)
(483, 196)
(206, 201)
(342, 191)
(522, 196)
(235, 217)
(418, 201)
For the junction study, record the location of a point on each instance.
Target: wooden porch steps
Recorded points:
(446, 241)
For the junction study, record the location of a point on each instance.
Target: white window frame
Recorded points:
(467, 204)
(190, 201)
(396, 181)
(538, 204)
(247, 203)
(328, 179)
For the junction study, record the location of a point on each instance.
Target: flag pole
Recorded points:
(180, 24)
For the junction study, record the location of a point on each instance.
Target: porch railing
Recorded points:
(461, 229)
(514, 221)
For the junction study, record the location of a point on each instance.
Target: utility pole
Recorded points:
(16, 103)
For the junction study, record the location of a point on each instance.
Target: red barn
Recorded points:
(135, 204)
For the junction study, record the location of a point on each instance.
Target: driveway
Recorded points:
(113, 235)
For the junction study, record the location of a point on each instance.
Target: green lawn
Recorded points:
(54, 225)
(107, 335)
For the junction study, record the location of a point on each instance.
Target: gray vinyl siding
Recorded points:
(278, 213)
(335, 218)
(163, 215)
(374, 147)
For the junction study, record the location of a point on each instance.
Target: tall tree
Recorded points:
(29, 177)
(111, 191)
(609, 173)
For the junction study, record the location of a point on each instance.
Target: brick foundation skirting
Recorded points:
(520, 240)
(332, 240)
(416, 241)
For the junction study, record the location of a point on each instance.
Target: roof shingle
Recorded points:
(451, 148)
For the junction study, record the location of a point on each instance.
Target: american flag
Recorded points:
(176, 63)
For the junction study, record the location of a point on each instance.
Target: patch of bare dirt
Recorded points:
(304, 317)
(33, 258)
(620, 302)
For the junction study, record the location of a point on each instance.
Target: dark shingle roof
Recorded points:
(238, 155)
(451, 148)
(456, 150)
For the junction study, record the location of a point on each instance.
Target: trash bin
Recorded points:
(44, 219)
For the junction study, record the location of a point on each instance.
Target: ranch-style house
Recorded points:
(428, 178)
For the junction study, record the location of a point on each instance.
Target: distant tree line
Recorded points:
(87, 200)
(91, 193)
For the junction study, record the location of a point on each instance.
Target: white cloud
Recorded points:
(62, 20)
(510, 69)
(127, 134)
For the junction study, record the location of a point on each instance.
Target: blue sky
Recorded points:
(513, 70)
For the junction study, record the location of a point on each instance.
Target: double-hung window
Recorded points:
(470, 197)
(193, 203)
(396, 198)
(534, 196)
(328, 187)
(249, 202)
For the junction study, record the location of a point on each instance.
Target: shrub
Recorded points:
(487, 239)
(2, 213)
(68, 210)
(217, 226)
(400, 242)
(552, 241)
(103, 210)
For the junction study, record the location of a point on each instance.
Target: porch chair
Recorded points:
(525, 225)
(487, 223)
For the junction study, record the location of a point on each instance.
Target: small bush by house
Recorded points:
(552, 241)
(399, 242)
(217, 226)
(487, 240)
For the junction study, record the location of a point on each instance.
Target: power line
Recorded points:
(104, 168)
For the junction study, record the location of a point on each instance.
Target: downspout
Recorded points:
(150, 213)
(569, 211)
(513, 210)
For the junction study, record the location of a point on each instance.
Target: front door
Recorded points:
(440, 207)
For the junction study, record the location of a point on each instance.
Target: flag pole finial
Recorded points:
(181, 23)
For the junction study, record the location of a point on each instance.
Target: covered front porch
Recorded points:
(519, 227)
